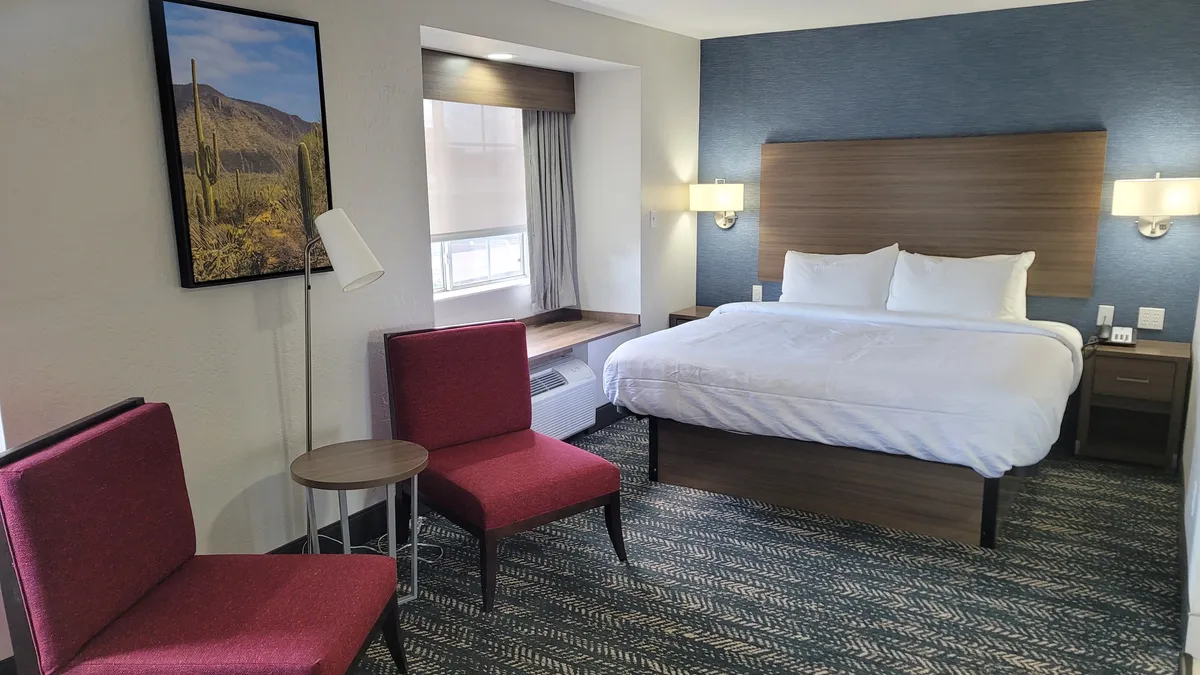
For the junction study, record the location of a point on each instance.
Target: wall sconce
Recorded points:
(1155, 200)
(723, 199)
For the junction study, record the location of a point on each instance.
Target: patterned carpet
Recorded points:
(1085, 581)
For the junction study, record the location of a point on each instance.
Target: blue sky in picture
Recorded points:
(245, 57)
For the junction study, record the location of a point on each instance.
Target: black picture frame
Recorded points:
(176, 170)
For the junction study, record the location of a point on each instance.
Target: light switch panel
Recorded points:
(1151, 318)
(756, 293)
(1105, 315)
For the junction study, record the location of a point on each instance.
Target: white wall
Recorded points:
(508, 302)
(1191, 524)
(606, 144)
(670, 111)
(90, 306)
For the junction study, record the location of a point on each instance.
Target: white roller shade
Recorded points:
(475, 161)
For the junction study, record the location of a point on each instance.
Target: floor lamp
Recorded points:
(355, 267)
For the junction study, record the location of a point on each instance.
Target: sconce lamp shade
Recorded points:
(718, 197)
(1157, 197)
(353, 262)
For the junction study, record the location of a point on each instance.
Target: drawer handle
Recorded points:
(1134, 380)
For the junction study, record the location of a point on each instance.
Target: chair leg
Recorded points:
(489, 550)
(612, 518)
(392, 637)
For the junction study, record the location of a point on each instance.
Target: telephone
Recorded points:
(1119, 336)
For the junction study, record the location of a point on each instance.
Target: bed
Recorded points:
(985, 398)
(917, 422)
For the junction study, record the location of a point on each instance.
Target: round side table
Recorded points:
(361, 465)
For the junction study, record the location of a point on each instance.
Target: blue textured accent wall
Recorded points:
(1129, 66)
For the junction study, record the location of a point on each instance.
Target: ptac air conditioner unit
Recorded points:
(564, 398)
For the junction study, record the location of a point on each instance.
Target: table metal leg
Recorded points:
(344, 512)
(314, 545)
(391, 519)
(413, 525)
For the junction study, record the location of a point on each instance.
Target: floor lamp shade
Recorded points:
(353, 262)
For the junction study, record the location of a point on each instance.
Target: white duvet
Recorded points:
(989, 395)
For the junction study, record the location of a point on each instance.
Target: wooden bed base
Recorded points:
(942, 500)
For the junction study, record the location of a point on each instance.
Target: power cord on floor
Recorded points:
(368, 549)
(379, 545)
(382, 542)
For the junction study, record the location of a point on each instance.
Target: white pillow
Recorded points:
(852, 280)
(991, 287)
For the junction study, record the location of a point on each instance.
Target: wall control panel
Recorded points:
(1151, 318)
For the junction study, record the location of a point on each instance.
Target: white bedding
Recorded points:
(985, 394)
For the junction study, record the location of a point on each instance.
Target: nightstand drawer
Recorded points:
(1134, 378)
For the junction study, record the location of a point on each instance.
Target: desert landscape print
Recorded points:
(249, 114)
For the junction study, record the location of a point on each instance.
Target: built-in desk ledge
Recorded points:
(562, 329)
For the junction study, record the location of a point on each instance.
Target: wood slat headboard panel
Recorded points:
(960, 197)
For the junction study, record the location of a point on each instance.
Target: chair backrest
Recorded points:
(457, 385)
(93, 516)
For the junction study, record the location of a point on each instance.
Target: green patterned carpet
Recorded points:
(1085, 581)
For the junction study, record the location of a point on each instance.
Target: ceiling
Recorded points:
(722, 18)
(472, 45)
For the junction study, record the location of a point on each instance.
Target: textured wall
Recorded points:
(1129, 66)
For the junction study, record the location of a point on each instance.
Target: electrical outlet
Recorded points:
(1105, 315)
(756, 293)
(1151, 318)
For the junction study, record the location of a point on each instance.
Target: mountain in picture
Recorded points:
(248, 196)
(246, 91)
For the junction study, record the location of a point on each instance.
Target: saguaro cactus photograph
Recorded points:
(249, 124)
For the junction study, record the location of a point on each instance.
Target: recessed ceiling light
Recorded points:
(501, 56)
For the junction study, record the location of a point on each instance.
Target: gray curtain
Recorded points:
(550, 199)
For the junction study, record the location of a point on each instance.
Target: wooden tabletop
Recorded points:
(561, 335)
(697, 312)
(359, 465)
(1150, 349)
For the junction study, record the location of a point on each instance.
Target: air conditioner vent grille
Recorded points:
(547, 381)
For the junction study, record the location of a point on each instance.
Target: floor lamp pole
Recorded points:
(313, 543)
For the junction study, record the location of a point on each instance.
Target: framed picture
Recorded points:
(243, 107)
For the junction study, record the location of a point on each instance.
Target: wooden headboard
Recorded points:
(958, 197)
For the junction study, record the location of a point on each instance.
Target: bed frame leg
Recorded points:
(990, 526)
(654, 449)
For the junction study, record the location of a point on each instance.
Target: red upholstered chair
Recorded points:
(463, 394)
(100, 574)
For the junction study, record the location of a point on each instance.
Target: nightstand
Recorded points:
(1133, 402)
(689, 314)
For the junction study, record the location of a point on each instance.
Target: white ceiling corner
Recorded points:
(705, 19)
(474, 45)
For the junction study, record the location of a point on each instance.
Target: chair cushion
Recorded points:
(506, 479)
(458, 385)
(94, 523)
(248, 615)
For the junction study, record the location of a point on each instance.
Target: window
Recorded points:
(478, 261)
(476, 166)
